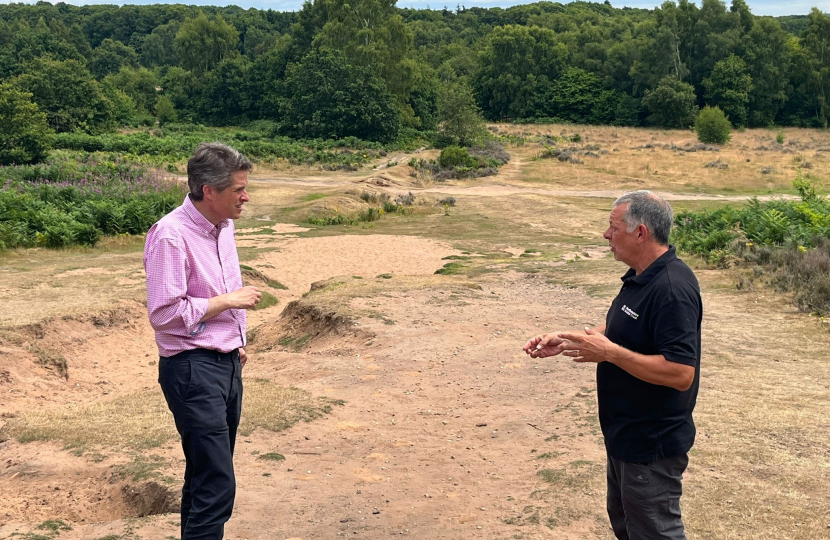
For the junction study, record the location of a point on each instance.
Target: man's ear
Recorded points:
(642, 233)
(208, 192)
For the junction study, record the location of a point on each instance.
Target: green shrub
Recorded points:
(455, 156)
(779, 137)
(712, 126)
(165, 112)
(787, 240)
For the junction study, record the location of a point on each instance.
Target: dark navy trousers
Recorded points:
(203, 389)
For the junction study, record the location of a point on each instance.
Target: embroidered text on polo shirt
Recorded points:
(630, 312)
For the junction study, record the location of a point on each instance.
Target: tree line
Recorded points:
(367, 69)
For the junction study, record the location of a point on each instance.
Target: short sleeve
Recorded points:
(676, 329)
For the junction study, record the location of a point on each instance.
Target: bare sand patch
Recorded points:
(302, 261)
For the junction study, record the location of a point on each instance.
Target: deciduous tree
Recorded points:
(202, 43)
(329, 98)
(729, 87)
(67, 93)
(671, 104)
(24, 135)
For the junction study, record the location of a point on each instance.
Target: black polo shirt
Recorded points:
(656, 312)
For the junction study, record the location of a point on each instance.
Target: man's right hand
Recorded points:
(244, 298)
(544, 346)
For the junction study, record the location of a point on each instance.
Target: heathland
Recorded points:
(387, 392)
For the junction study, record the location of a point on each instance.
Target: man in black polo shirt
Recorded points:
(648, 370)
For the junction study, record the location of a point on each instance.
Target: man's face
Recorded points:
(623, 243)
(227, 204)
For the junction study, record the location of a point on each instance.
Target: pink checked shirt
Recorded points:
(188, 261)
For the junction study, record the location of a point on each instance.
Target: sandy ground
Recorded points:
(446, 429)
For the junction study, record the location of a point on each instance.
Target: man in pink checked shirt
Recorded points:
(197, 304)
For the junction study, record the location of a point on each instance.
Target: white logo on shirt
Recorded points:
(628, 311)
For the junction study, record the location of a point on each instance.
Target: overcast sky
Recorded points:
(758, 7)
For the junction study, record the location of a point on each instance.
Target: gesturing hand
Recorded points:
(243, 357)
(544, 346)
(245, 298)
(591, 346)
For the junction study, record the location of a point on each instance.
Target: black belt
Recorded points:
(222, 356)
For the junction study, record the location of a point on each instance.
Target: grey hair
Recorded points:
(646, 208)
(213, 164)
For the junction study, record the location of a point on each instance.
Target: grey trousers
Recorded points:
(644, 498)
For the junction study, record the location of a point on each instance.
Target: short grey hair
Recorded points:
(213, 164)
(649, 209)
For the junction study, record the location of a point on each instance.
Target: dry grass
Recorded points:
(142, 421)
(41, 283)
(760, 467)
(629, 165)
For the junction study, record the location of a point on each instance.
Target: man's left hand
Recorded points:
(588, 347)
(243, 357)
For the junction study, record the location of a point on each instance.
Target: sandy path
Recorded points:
(502, 190)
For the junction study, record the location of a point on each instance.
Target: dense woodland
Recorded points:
(368, 69)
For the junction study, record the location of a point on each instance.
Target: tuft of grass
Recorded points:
(272, 456)
(142, 467)
(313, 197)
(293, 342)
(267, 300)
(577, 475)
(384, 276)
(378, 315)
(51, 360)
(54, 526)
(451, 269)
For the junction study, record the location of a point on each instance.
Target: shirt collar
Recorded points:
(652, 270)
(199, 220)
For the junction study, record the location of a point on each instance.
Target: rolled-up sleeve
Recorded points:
(168, 304)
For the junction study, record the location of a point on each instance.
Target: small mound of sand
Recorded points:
(382, 180)
(303, 321)
(349, 207)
